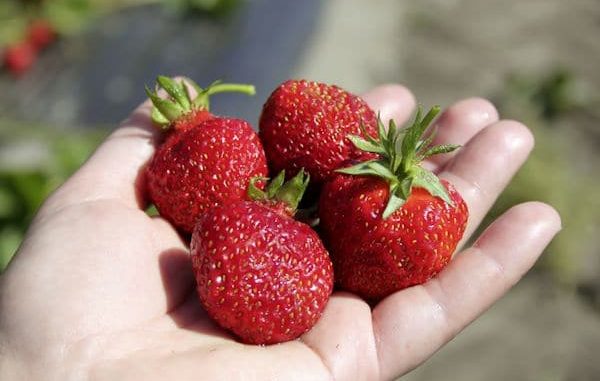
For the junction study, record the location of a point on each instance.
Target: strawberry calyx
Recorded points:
(180, 102)
(278, 191)
(400, 153)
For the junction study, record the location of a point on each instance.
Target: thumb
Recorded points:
(115, 169)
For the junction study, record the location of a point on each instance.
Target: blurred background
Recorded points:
(72, 69)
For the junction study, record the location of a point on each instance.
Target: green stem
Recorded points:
(231, 87)
(203, 99)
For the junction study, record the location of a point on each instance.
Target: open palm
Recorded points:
(101, 291)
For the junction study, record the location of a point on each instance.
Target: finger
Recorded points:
(458, 124)
(116, 166)
(391, 102)
(485, 165)
(343, 339)
(411, 325)
(114, 171)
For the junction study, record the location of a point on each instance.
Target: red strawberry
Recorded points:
(19, 57)
(388, 223)
(260, 273)
(41, 33)
(205, 160)
(305, 125)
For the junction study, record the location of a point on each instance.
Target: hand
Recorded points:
(98, 290)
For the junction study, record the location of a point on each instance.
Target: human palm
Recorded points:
(101, 291)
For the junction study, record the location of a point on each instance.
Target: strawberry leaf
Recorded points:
(404, 187)
(424, 144)
(409, 141)
(275, 184)
(176, 91)
(167, 108)
(428, 119)
(291, 192)
(180, 100)
(187, 91)
(394, 203)
(414, 134)
(158, 118)
(430, 182)
(366, 134)
(366, 146)
(401, 154)
(382, 133)
(372, 167)
(391, 132)
(444, 148)
(254, 192)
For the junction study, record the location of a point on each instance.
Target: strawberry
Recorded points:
(305, 124)
(205, 160)
(40, 33)
(19, 57)
(261, 274)
(388, 223)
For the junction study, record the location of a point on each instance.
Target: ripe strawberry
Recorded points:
(388, 223)
(19, 57)
(260, 273)
(41, 33)
(305, 125)
(205, 160)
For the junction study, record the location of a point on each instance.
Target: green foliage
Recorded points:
(72, 16)
(69, 16)
(211, 7)
(24, 186)
(11, 27)
(548, 106)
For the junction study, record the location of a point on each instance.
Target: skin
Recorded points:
(99, 291)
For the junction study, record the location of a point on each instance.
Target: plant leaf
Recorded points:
(405, 186)
(175, 90)
(254, 192)
(414, 134)
(366, 146)
(275, 184)
(431, 114)
(391, 132)
(424, 179)
(187, 92)
(168, 109)
(381, 128)
(158, 118)
(366, 134)
(444, 148)
(291, 191)
(423, 144)
(394, 203)
(409, 140)
(373, 168)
